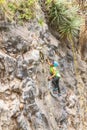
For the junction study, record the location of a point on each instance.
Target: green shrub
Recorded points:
(41, 21)
(18, 10)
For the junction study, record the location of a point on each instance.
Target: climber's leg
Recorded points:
(54, 83)
(58, 85)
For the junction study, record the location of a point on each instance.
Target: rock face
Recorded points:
(25, 99)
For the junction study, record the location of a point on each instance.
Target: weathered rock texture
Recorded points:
(25, 99)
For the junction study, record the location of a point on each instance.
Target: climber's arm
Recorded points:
(49, 62)
(49, 78)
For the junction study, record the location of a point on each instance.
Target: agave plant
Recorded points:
(57, 14)
(69, 28)
(64, 19)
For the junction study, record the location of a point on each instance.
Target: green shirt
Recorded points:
(53, 70)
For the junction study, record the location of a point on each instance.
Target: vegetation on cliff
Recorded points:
(18, 9)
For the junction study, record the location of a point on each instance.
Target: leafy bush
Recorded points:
(18, 10)
(63, 18)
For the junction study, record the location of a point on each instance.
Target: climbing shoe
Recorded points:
(55, 90)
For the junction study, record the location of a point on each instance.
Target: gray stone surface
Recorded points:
(25, 99)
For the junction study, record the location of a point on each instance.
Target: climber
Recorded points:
(55, 76)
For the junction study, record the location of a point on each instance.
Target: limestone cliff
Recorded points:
(25, 99)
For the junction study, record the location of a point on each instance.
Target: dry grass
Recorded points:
(83, 37)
